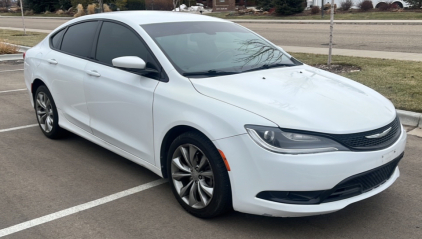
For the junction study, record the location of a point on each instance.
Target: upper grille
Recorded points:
(358, 141)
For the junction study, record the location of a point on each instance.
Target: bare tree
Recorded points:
(331, 35)
(255, 50)
(5, 3)
(175, 3)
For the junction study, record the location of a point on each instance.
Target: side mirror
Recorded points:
(133, 64)
(129, 62)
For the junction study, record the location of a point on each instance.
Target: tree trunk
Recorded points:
(331, 34)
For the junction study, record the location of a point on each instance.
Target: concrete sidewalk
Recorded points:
(350, 22)
(27, 29)
(317, 50)
(357, 53)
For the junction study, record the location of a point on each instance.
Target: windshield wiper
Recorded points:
(210, 73)
(266, 66)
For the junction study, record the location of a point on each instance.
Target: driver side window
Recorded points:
(116, 40)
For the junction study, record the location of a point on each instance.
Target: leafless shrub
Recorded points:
(387, 6)
(315, 10)
(346, 5)
(59, 12)
(366, 5)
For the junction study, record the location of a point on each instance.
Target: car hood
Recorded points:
(303, 98)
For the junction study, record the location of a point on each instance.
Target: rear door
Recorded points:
(119, 101)
(66, 63)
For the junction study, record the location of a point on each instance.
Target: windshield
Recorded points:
(202, 49)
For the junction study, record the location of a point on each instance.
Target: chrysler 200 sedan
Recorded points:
(231, 119)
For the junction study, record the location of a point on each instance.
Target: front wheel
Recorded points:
(198, 176)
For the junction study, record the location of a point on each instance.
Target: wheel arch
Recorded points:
(35, 85)
(169, 137)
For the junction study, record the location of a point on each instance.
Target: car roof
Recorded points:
(150, 17)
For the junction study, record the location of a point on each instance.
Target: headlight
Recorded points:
(278, 141)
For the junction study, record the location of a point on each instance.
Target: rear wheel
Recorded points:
(198, 176)
(46, 112)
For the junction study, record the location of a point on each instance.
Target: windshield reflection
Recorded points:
(205, 49)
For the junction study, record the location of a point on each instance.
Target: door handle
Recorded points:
(52, 61)
(93, 73)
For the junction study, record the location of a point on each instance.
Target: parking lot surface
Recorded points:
(40, 176)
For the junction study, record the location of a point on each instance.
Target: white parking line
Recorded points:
(16, 128)
(6, 91)
(11, 70)
(79, 208)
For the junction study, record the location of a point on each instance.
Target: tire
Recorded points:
(46, 113)
(205, 170)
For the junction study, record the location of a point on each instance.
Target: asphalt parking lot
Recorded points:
(40, 177)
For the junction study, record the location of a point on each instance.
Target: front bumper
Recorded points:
(254, 169)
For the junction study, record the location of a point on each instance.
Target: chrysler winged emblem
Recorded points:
(376, 136)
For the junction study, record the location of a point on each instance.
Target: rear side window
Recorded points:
(116, 40)
(56, 39)
(78, 39)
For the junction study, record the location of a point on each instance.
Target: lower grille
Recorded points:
(350, 187)
(362, 182)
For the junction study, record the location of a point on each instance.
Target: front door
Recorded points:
(120, 102)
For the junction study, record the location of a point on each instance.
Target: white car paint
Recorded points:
(131, 115)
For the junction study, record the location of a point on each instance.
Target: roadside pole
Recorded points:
(331, 34)
(322, 8)
(23, 19)
(101, 5)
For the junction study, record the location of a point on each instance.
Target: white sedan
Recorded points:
(231, 119)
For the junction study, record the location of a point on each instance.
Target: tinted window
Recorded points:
(56, 39)
(116, 40)
(203, 47)
(78, 39)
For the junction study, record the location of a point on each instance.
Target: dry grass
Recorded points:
(399, 81)
(106, 8)
(91, 8)
(80, 12)
(16, 37)
(7, 49)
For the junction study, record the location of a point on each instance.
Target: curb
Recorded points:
(21, 48)
(26, 17)
(410, 118)
(11, 57)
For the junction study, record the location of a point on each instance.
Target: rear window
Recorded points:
(78, 39)
(56, 39)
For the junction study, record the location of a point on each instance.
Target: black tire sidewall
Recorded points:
(221, 201)
(55, 132)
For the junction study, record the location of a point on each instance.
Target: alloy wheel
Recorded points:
(192, 176)
(45, 112)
